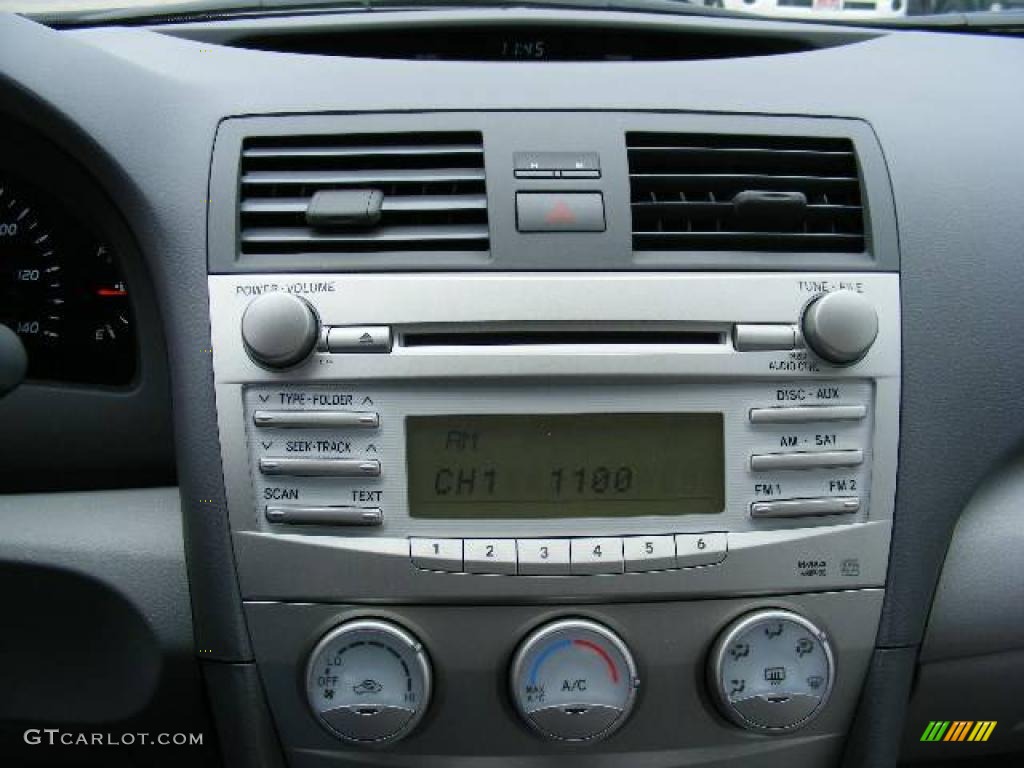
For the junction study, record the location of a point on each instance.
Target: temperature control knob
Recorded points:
(840, 326)
(279, 330)
(368, 681)
(771, 670)
(574, 680)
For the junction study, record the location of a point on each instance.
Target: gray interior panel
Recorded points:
(107, 568)
(982, 575)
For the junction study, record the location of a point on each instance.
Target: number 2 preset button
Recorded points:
(543, 557)
(437, 554)
(649, 553)
(495, 556)
(700, 549)
(598, 555)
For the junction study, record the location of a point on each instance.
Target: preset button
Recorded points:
(543, 557)
(496, 556)
(649, 553)
(597, 555)
(437, 554)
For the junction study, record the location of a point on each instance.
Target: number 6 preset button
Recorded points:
(489, 556)
(598, 555)
(543, 557)
(694, 549)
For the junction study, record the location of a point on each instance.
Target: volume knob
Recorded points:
(279, 330)
(840, 326)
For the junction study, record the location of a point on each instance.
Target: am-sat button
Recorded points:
(560, 212)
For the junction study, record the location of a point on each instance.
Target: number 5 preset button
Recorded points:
(649, 553)
(543, 557)
(598, 555)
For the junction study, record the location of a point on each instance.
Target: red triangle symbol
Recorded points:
(560, 213)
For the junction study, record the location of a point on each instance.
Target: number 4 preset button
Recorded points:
(597, 555)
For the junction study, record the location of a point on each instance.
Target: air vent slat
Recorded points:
(435, 203)
(275, 153)
(386, 234)
(364, 178)
(794, 241)
(431, 189)
(745, 193)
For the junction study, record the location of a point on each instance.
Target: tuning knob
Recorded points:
(840, 326)
(279, 330)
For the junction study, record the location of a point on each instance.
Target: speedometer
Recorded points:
(62, 291)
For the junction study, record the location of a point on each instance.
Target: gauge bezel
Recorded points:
(738, 627)
(395, 632)
(542, 633)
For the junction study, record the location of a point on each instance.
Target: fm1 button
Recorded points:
(565, 212)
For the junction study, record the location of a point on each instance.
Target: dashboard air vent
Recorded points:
(363, 193)
(697, 192)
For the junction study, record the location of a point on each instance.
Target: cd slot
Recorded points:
(517, 338)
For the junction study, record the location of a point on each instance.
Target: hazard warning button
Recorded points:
(560, 212)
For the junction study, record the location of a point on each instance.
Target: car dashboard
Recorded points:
(497, 386)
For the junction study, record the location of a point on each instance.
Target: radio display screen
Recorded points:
(565, 465)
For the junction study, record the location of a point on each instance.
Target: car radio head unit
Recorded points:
(697, 433)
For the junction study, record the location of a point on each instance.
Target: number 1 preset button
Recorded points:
(544, 557)
(437, 554)
(597, 555)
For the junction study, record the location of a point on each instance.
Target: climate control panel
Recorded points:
(573, 679)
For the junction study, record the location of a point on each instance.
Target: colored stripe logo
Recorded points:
(958, 730)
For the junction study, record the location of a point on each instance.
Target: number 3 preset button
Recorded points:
(600, 555)
(543, 557)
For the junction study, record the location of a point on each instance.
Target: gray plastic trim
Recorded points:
(120, 557)
(504, 135)
(983, 576)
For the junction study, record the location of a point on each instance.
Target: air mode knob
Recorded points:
(840, 326)
(279, 330)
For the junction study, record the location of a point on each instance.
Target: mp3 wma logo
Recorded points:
(958, 730)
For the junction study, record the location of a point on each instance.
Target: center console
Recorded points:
(629, 503)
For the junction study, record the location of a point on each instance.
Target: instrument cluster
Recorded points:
(62, 290)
